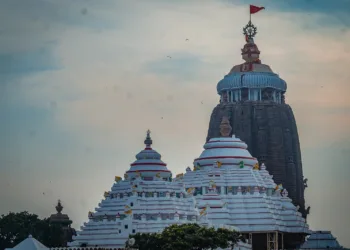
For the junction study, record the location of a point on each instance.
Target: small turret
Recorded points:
(148, 140)
(64, 222)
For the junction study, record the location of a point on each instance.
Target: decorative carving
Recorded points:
(249, 30)
(179, 176)
(305, 183)
(59, 207)
(308, 210)
(191, 190)
(256, 166)
(285, 193)
(212, 184)
(241, 164)
(117, 178)
(225, 127)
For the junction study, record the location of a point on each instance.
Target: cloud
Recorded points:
(78, 114)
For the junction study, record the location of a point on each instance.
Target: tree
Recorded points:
(146, 241)
(15, 227)
(187, 237)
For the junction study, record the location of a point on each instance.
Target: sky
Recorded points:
(82, 81)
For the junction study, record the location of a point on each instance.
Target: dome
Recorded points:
(251, 80)
(227, 150)
(148, 163)
(239, 80)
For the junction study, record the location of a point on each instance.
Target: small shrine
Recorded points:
(64, 222)
(321, 240)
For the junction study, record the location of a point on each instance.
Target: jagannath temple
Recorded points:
(252, 96)
(147, 200)
(226, 188)
(248, 178)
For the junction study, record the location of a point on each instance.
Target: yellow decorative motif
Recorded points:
(198, 167)
(128, 212)
(158, 175)
(180, 176)
(106, 194)
(190, 190)
(117, 178)
(256, 166)
(279, 187)
(203, 211)
(219, 164)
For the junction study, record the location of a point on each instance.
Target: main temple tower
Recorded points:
(252, 96)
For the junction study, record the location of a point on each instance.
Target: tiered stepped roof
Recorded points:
(29, 244)
(321, 240)
(226, 173)
(146, 201)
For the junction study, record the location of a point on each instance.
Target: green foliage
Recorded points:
(186, 237)
(15, 227)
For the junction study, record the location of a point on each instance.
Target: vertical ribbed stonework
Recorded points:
(270, 131)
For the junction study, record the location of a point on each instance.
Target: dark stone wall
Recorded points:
(271, 133)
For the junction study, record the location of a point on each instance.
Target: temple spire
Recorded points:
(148, 140)
(59, 207)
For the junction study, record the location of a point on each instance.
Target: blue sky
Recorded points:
(81, 82)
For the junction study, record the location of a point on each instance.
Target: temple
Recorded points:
(226, 174)
(252, 96)
(321, 240)
(145, 201)
(63, 221)
(249, 176)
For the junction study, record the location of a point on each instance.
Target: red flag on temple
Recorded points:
(254, 9)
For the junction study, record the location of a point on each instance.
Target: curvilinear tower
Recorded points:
(252, 96)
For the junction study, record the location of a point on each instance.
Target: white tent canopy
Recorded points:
(29, 244)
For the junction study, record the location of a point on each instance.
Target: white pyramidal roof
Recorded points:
(226, 177)
(146, 201)
(29, 244)
(321, 240)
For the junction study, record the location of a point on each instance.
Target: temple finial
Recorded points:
(148, 140)
(225, 127)
(59, 207)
